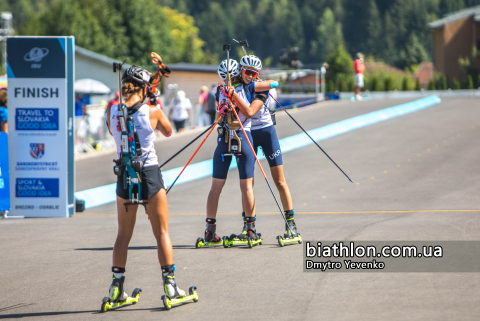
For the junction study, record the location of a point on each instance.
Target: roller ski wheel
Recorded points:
(202, 243)
(169, 303)
(199, 243)
(234, 240)
(107, 304)
(280, 241)
(193, 292)
(226, 242)
(210, 238)
(290, 239)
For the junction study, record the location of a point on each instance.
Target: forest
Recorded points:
(394, 32)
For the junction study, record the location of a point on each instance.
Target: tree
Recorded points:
(449, 6)
(340, 62)
(374, 29)
(184, 34)
(417, 84)
(455, 84)
(93, 23)
(405, 84)
(354, 24)
(469, 82)
(329, 38)
(388, 84)
(209, 22)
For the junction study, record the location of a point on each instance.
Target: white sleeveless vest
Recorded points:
(146, 134)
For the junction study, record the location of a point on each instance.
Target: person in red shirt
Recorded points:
(358, 67)
(114, 101)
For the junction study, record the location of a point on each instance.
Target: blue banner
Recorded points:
(36, 119)
(4, 174)
(37, 187)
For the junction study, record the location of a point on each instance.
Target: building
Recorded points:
(188, 76)
(454, 37)
(89, 64)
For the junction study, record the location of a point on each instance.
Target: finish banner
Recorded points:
(40, 74)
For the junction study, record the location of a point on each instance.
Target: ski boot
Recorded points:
(247, 236)
(173, 294)
(117, 296)
(211, 238)
(291, 235)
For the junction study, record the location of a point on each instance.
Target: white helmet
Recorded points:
(251, 61)
(222, 69)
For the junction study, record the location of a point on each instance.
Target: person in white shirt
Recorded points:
(181, 108)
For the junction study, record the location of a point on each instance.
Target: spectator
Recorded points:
(202, 101)
(114, 101)
(181, 108)
(79, 114)
(212, 103)
(359, 67)
(3, 111)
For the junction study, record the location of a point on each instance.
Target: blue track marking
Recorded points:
(106, 194)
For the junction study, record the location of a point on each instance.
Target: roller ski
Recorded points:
(291, 235)
(211, 238)
(248, 235)
(173, 294)
(118, 297)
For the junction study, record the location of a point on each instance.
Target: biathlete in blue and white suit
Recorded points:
(245, 161)
(263, 130)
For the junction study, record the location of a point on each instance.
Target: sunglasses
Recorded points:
(249, 72)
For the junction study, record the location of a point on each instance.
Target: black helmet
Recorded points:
(137, 75)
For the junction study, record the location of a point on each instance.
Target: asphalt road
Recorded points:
(414, 179)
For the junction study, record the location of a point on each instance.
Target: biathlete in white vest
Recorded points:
(146, 120)
(263, 131)
(222, 156)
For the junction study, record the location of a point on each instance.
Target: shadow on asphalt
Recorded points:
(133, 248)
(40, 314)
(15, 306)
(177, 247)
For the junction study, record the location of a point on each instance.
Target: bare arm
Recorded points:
(248, 111)
(107, 120)
(263, 85)
(4, 127)
(163, 124)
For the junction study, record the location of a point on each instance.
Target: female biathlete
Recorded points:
(146, 119)
(264, 134)
(245, 161)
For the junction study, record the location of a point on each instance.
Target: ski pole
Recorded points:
(181, 150)
(211, 129)
(310, 137)
(242, 43)
(259, 165)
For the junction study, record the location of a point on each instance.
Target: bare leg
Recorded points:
(246, 186)
(126, 223)
(157, 209)
(279, 179)
(213, 197)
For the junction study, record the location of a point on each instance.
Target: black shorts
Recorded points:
(152, 182)
(179, 124)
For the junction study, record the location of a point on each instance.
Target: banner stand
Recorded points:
(5, 216)
(40, 73)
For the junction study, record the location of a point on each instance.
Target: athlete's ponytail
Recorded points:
(129, 89)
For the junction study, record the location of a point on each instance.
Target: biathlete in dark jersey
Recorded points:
(245, 161)
(263, 131)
